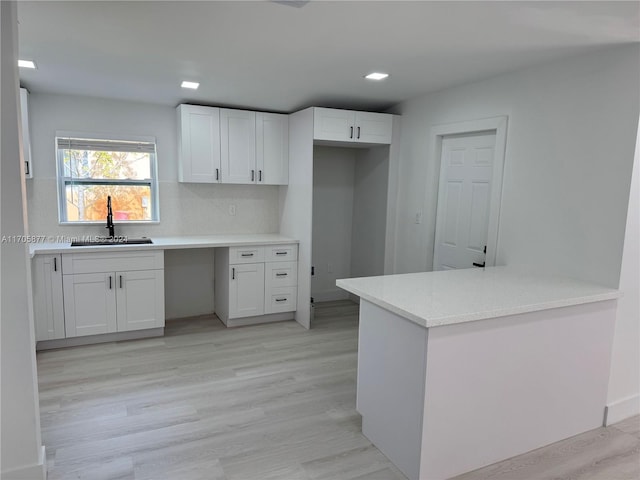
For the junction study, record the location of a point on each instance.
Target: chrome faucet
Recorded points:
(110, 225)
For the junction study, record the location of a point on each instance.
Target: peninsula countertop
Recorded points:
(433, 299)
(169, 243)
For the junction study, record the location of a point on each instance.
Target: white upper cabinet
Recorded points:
(373, 127)
(349, 126)
(332, 124)
(199, 144)
(272, 148)
(26, 136)
(221, 145)
(238, 146)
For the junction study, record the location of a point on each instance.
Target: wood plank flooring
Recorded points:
(268, 402)
(205, 402)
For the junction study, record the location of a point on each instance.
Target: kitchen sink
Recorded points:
(111, 241)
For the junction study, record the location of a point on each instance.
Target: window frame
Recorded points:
(63, 181)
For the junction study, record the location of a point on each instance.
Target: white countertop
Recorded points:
(169, 243)
(433, 299)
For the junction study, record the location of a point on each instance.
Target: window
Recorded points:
(91, 169)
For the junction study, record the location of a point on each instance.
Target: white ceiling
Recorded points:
(270, 56)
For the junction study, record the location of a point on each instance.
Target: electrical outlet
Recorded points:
(418, 218)
(329, 268)
(232, 210)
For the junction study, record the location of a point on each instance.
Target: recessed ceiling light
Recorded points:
(376, 76)
(26, 64)
(191, 85)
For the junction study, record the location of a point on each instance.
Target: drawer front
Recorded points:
(246, 254)
(281, 274)
(281, 299)
(73, 263)
(282, 253)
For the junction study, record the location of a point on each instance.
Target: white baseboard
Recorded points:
(269, 318)
(29, 472)
(101, 338)
(621, 409)
(330, 295)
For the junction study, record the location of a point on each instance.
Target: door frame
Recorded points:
(499, 126)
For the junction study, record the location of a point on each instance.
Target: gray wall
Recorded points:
(21, 442)
(370, 212)
(333, 217)
(570, 142)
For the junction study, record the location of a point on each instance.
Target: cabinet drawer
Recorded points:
(281, 274)
(246, 254)
(73, 263)
(281, 299)
(281, 253)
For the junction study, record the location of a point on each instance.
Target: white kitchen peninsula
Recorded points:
(454, 367)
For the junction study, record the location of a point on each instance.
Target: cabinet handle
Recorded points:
(55, 264)
(233, 274)
(351, 134)
(253, 175)
(246, 254)
(26, 168)
(217, 174)
(259, 175)
(110, 282)
(281, 253)
(120, 281)
(281, 299)
(358, 132)
(281, 274)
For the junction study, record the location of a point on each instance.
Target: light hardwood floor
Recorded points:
(268, 402)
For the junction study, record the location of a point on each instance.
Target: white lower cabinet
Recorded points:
(140, 300)
(101, 296)
(89, 304)
(254, 291)
(48, 308)
(246, 290)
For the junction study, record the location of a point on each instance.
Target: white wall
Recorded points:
(624, 384)
(570, 139)
(22, 454)
(333, 189)
(570, 143)
(185, 208)
(370, 212)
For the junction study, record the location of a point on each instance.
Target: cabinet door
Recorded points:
(48, 308)
(332, 124)
(373, 127)
(89, 304)
(140, 299)
(26, 136)
(238, 146)
(199, 144)
(246, 290)
(272, 148)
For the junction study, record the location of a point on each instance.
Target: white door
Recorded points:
(89, 303)
(335, 125)
(238, 146)
(246, 290)
(272, 148)
(140, 299)
(464, 200)
(199, 139)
